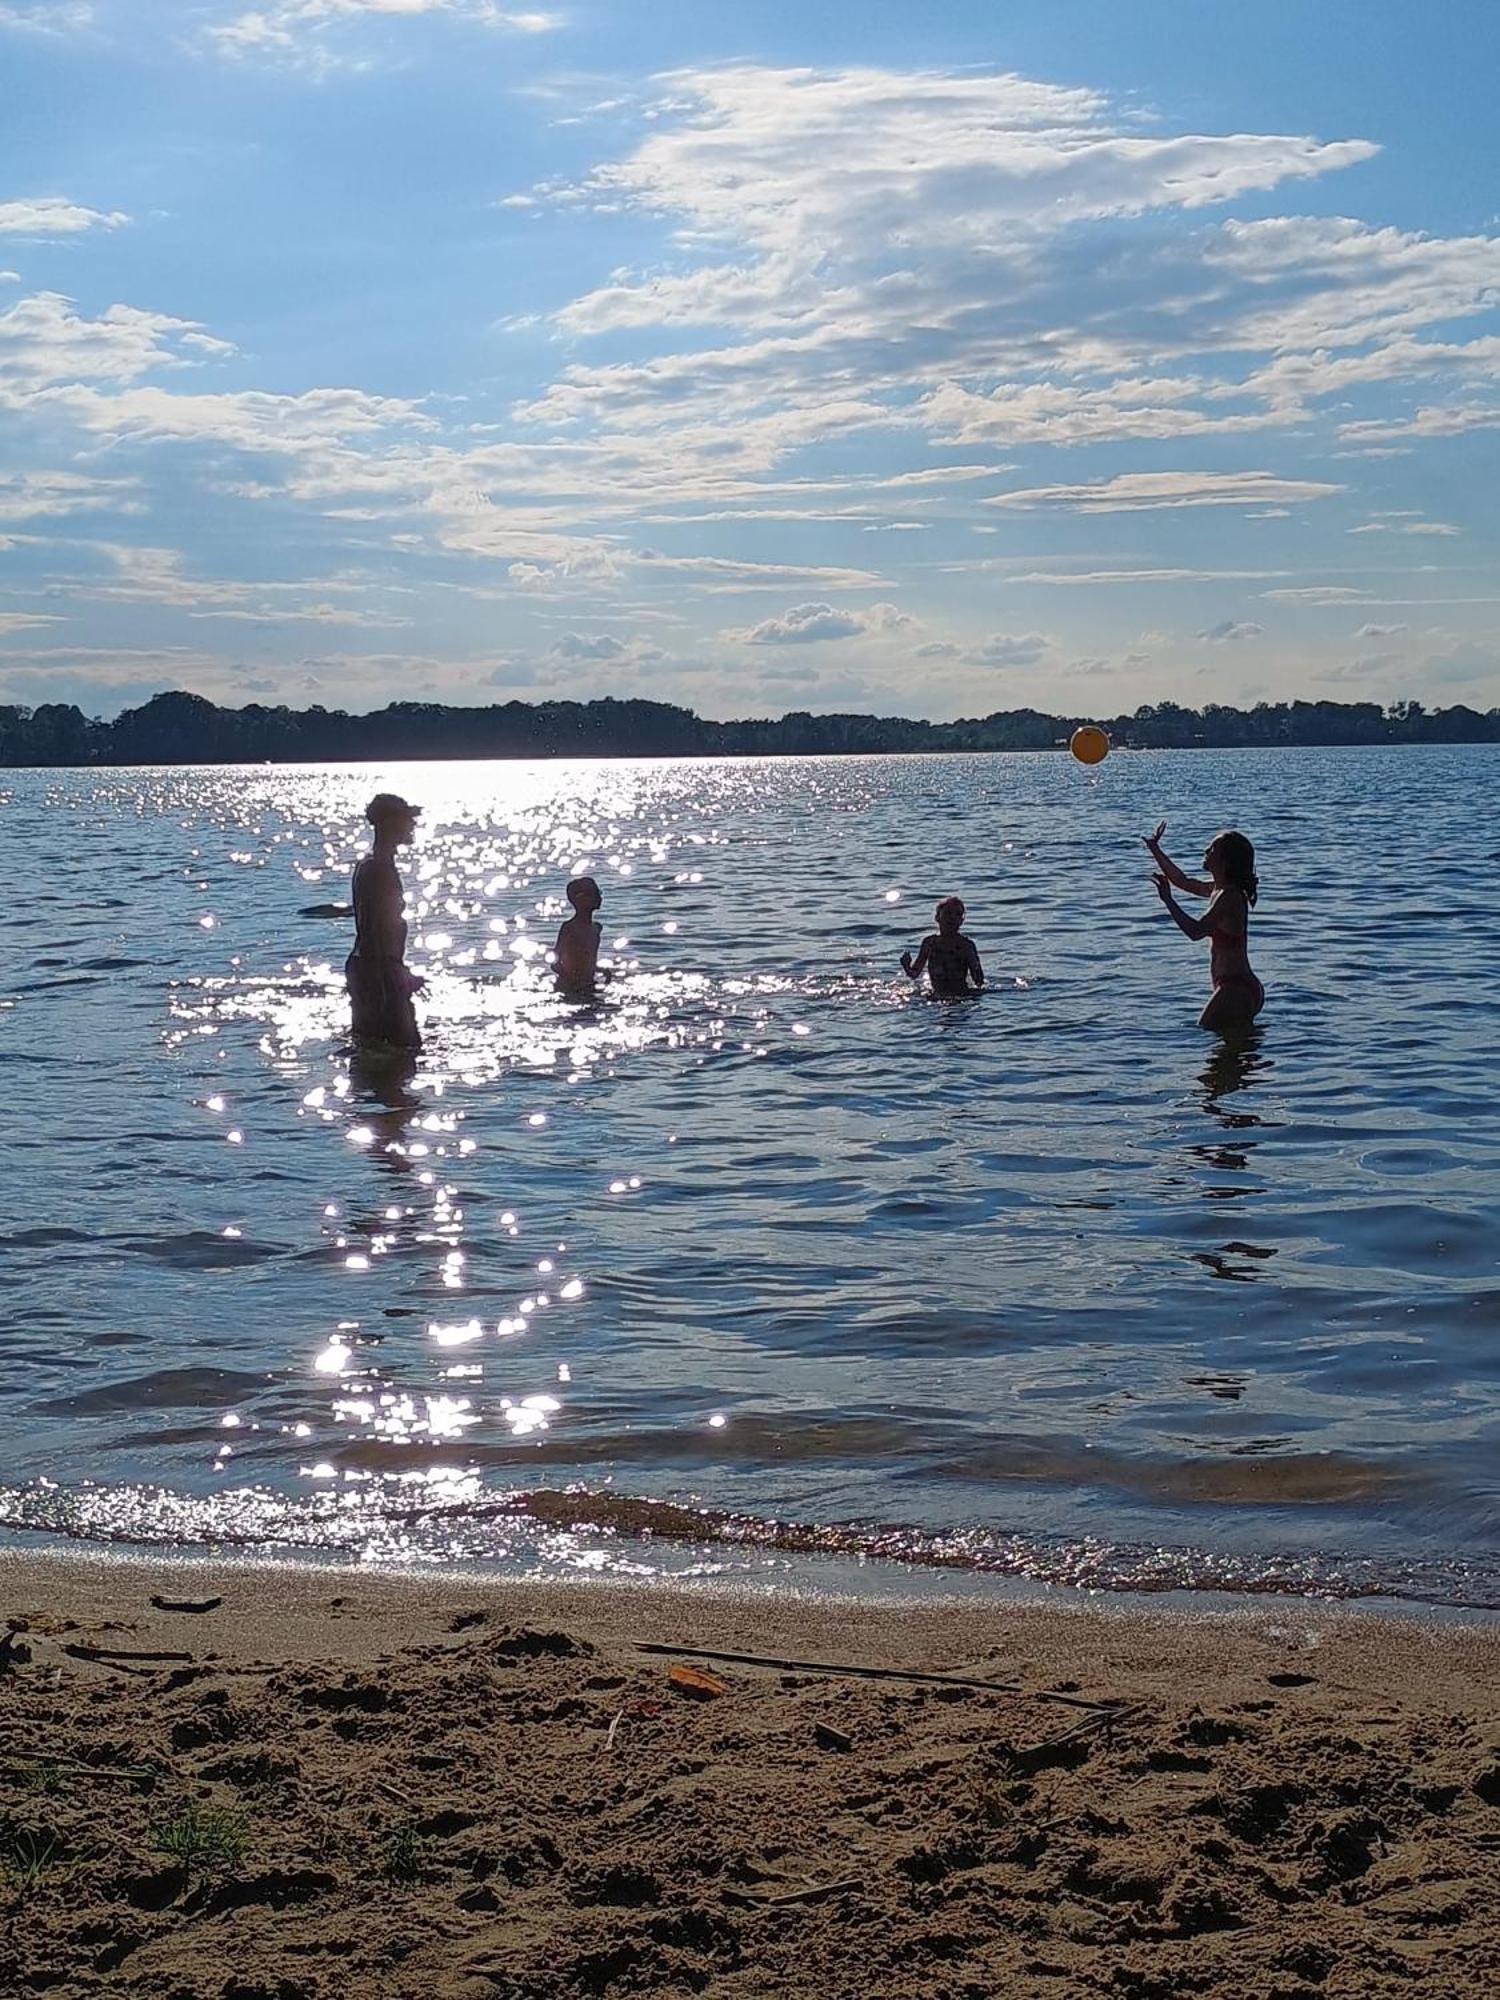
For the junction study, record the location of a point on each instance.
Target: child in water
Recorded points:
(375, 972)
(947, 957)
(1232, 887)
(577, 953)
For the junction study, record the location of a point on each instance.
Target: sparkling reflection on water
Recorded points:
(1048, 1280)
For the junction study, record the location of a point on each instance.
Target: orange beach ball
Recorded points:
(1089, 744)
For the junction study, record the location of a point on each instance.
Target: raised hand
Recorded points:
(1152, 841)
(1163, 886)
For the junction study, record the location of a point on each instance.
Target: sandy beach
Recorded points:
(332, 1783)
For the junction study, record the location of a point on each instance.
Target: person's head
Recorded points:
(393, 819)
(585, 895)
(950, 915)
(1230, 861)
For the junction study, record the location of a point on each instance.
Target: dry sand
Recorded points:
(463, 1787)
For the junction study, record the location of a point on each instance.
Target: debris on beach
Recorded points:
(696, 1682)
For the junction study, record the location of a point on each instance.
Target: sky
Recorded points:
(931, 361)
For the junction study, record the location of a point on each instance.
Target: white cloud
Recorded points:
(144, 575)
(1229, 630)
(973, 259)
(883, 261)
(1009, 649)
(726, 573)
(805, 623)
(26, 496)
(54, 215)
(1292, 379)
(1431, 421)
(1067, 413)
(1378, 631)
(250, 419)
(1389, 527)
(938, 649)
(764, 155)
(1317, 593)
(572, 649)
(1100, 577)
(88, 371)
(301, 32)
(1331, 282)
(602, 646)
(62, 17)
(1133, 491)
(21, 621)
(45, 341)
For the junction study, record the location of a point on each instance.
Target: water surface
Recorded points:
(1047, 1282)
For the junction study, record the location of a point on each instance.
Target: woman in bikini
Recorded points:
(1238, 995)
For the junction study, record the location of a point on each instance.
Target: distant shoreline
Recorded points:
(180, 728)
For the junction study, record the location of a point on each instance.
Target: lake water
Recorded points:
(1047, 1283)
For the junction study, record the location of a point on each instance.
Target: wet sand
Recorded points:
(349, 1785)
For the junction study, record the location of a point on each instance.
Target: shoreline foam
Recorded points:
(567, 1529)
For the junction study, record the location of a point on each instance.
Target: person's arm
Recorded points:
(976, 970)
(1191, 927)
(1189, 884)
(915, 967)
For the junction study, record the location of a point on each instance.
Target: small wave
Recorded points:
(164, 1388)
(430, 1519)
(201, 1250)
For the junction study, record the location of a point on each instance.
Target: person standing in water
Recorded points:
(949, 959)
(1231, 888)
(380, 986)
(577, 953)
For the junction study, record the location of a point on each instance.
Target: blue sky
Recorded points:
(1072, 353)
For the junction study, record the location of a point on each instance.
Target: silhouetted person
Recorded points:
(577, 953)
(380, 986)
(949, 959)
(1232, 887)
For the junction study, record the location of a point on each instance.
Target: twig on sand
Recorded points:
(395, 1794)
(614, 1727)
(110, 1654)
(1102, 1720)
(1107, 1705)
(72, 1768)
(860, 1671)
(816, 1894)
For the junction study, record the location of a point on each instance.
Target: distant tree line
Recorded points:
(187, 729)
